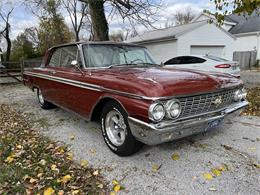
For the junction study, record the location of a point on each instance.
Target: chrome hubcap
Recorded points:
(40, 96)
(115, 127)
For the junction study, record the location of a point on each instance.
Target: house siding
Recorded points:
(206, 35)
(162, 51)
(248, 43)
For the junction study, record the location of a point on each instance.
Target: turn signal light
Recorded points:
(223, 66)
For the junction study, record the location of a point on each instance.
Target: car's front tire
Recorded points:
(43, 103)
(116, 130)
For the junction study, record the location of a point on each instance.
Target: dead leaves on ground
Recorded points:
(31, 163)
(253, 97)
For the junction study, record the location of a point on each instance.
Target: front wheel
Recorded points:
(43, 103)
(116, 131)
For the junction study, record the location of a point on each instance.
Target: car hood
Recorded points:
(162, 82)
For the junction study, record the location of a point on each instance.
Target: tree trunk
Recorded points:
(9, 43)
(99, 21)
(1, 55)
(76, 35)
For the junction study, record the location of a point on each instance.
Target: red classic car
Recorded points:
(136, 100)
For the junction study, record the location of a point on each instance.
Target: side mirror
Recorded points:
(75, 64)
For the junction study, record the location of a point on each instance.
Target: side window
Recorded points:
(68, 54)
(55, 59)
(191, 60)
(173, 61)
(63, 56)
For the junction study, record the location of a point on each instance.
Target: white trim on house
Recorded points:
(247, 34)
(212, 17)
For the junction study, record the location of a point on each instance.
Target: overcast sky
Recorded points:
(22, 17)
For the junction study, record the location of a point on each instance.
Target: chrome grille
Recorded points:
(200, 104)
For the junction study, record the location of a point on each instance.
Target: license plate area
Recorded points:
(214, 123)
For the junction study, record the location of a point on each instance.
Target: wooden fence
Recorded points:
(14, 70)
(247, 59)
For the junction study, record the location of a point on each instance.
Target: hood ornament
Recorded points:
(217, 101)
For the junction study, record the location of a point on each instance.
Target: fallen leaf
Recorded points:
(43, 162)
(93, 150)
(115, 182)
(212, 189)
(60, 150)
(155, 168)
(9, 159)
(84, 163)
(40, 175)
(221, 168)
(175, 156)
(49, 191)
(207, 176)
(117, 188)
(72, 137)
(64, 179)
(112, 193)
(32, 180)
(74, 192)
(54, 168)
(96, 172)
(60, 192)
(69, 156)
(216, 172)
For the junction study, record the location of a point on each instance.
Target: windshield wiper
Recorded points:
(133, 64)
(114, 65)
(147, 63)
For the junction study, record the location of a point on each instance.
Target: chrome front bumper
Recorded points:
(152, 134)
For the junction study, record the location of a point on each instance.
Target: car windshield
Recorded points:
(109, 55)
(218, 59)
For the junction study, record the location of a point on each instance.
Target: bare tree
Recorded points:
(184, 17)
(5, 32)
(137, 12)
(77, 11)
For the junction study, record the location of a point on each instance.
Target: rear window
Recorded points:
(218, 59)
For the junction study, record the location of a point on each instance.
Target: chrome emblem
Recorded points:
(217, 101)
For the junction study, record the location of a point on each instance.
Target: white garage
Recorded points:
(198, 38)
(217, 50)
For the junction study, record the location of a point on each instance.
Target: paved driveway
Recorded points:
(153, 171)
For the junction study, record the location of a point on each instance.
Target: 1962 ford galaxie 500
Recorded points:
(136, 100)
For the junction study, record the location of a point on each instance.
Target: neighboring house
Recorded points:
(245, 28)
(200, 37)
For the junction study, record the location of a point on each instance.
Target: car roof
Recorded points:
(97, 43)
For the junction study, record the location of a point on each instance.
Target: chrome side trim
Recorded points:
(103, 89)
(65, 81)
(86, 85)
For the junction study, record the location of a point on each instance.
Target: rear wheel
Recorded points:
(43, 103)
(116, 131)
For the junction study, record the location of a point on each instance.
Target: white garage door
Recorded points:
(211, 50)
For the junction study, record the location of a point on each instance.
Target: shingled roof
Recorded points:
(166, 33)
(245, 23)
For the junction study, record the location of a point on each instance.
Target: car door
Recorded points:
(66, 94)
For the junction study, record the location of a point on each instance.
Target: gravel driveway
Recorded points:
(152, 170)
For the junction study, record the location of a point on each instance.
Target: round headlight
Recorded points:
(238, 96)
(173, 108)
(156, 112)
